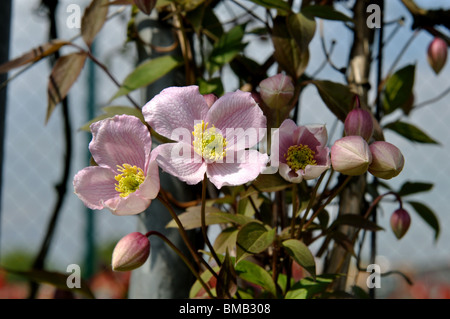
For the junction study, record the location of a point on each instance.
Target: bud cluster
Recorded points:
(353, 155)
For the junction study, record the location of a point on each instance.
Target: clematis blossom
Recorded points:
(126, 178)
(300, 150)
(211, 135)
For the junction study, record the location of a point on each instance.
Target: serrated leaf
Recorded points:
(427, 215)
(325, 12)
(301, 254)
(34, 55)
(336, 96)
(257, 275)
(147, 73)
(398, 88)
(64, 74)
(253, 238)
(56, 279)
(93, 19)
(409, 188)
(410, 132)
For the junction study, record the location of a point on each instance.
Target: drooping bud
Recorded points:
(437, 54)
(130, 252)
(145, 6)
(350, 155)
(387, 160)
(400, 221)
(276, 91)
(359, 122)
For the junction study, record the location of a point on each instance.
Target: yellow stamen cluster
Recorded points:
(130, 179)
(208, 143)
(299, 156)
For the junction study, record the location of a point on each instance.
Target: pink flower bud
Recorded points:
(400, 221)
(359, 122)
(130, 252)
(145, 6)
(276, 91)
(437, 54)
(387, 160)
(350, 155)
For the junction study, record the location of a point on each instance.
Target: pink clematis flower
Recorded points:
(126, 178)
(211, 135)
(300, 150)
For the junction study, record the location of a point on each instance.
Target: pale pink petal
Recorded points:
(237, 110)
(178, 159)
(123, 139)
(175, 108)
(251, 163)
(314, 171)
(288, 174)
(94, 185)
(131, 205)
(320, 133)
(282, 139)
(150, 187)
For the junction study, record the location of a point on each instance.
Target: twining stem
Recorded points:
(330, 198)
(310, 204)
(203, 222)
(184, 236)
(183, 257)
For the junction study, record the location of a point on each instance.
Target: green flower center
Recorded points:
(299, 156)
(130, 179)
(208, 143)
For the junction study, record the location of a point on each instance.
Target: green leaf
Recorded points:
(226, 285)
(213, 86)
(192, 218)
(286, 51)
(273, 4)
(302, 30)
(147, 73)
(427, 215)
(336, 96)
(253, 238)
(357, 221)
(301, 254)
(226, 49)
(409, 188)
(226, 240)
(325, 12)
(398, 88)
(308, 287)
(257, 275)
(410, 132)
(56, 279)
(197, 289)
(266, 183)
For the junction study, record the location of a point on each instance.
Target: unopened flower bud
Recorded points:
(359, 122)
(276, 91)
(130, 252)
(350, 155)
(387, 160)
(437, 54)
(400, 221)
